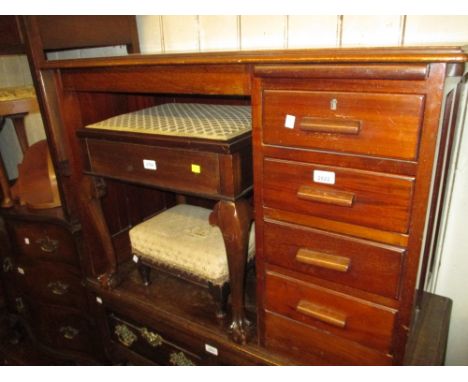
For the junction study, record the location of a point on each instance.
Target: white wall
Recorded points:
(165, 34)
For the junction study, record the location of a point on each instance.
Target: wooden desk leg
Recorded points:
(234, 218)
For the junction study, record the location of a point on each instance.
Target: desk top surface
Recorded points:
(293, 56)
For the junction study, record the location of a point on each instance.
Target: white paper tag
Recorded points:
(135, 259)
(99, 300)
(20, 270)
(26, 240)
(211, 349)
(326, 177)
(289, 121)
(150, 164)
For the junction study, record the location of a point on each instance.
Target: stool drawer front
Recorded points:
(368, 266)
(365, 198)
(363, 123)
(44, 242)
(310, 346)
(181, 170)
(337, 313)
(155, 344)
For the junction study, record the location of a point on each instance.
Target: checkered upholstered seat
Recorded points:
(215, 122)
(181, 240)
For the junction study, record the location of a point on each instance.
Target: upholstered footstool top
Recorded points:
(182, 239)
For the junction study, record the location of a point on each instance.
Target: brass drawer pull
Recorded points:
(152, 338)
(323, 260)
(321, 313)
(125, 336)
(47, 244)
(69, 332)
(330, 125)
(338, 198)
(58, 288)
(180, 359)
(7, 265)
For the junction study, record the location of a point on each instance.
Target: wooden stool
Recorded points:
(181, 241)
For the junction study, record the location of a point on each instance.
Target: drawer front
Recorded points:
(364, 198)
(42, 241)
(61, 328)
(362, 123)
(361, 264)
(155, 344)
(310, 346)
(354, 319)
(51, 283)
(175, 169)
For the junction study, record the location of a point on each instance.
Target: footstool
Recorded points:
(181, 241)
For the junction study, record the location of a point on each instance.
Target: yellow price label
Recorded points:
(196, 168)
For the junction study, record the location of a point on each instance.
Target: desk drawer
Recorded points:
(178, 169)
(362, 123)
(365, 198)
(51, 283)
(42, 241)
(310, 346)
(62, 328)
(155, 344)
(361, 264)
(345, 316)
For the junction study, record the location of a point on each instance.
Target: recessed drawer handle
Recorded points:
(321, 313)
(69, 332)
(330, 125)
(338, 198)
(47, 244)
(58, 288)
(323, 260)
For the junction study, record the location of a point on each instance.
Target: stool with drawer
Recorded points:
(44, 285)
(343, 159)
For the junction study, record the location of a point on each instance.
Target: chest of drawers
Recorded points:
(42, 274)
(343, 160)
